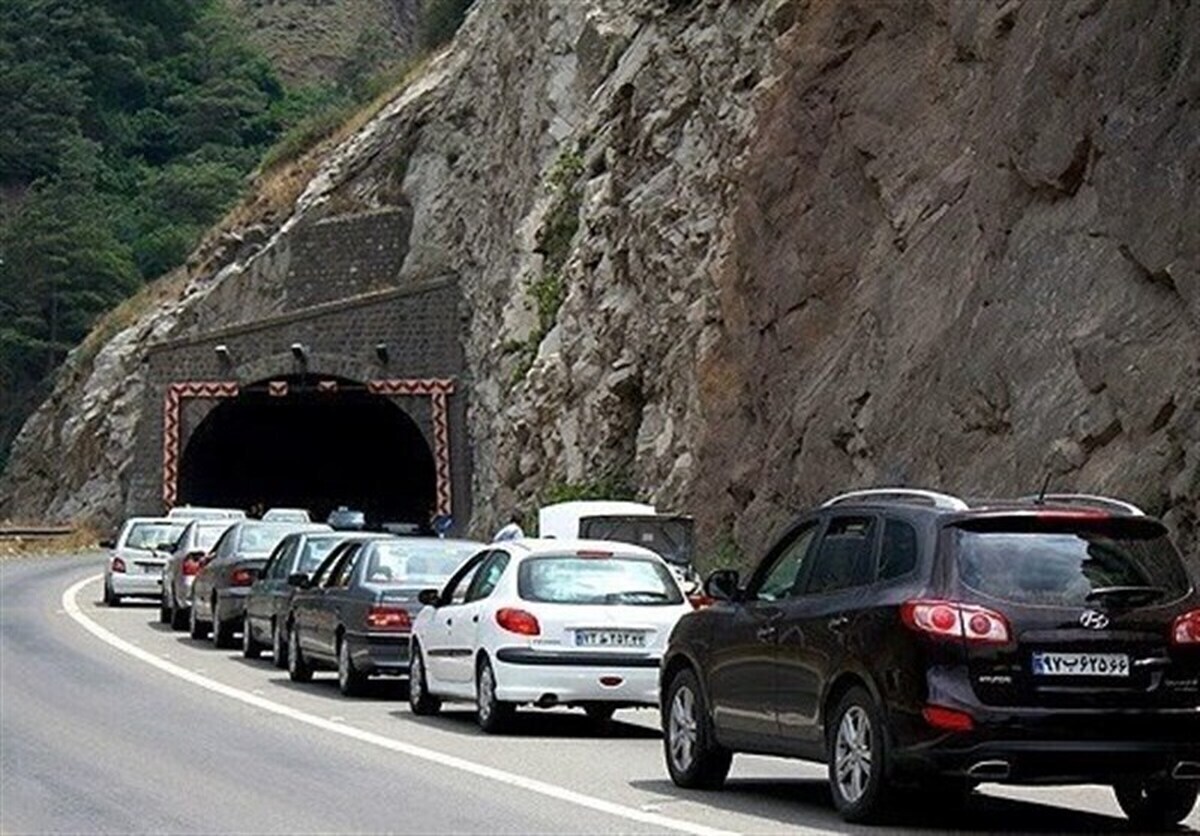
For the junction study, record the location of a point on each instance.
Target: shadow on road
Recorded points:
(813, 806)
(460, 720)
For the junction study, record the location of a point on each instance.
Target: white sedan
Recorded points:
(546, 622)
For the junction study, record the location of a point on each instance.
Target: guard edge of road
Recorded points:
(72, 609)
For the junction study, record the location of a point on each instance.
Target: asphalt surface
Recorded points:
(148, 731)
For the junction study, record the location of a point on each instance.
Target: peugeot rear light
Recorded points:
(518, 621)
(593, 553)
(243, 577)
(1186, 629)
(384, 617)
(118, 565)
(950, 619)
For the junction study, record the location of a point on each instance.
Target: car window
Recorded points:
(1067, 563)
(314, 552)
(147, 536)
(616, 580)
(488, 576)
(898, 554)
(281, 560)
(345, 570)
(327, 566)
(416, 562)
(845, 556)
(456, 588)
(777, 580)
(206, 536)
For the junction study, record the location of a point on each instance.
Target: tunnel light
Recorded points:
(381, 351)
(222, 352)
(300, 352)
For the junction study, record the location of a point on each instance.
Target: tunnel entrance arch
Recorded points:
(312, 443)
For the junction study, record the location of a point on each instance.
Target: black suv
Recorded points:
(914, 641)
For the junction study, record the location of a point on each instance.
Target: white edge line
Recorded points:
(533, 785)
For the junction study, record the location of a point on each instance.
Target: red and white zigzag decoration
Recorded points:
(437, 390)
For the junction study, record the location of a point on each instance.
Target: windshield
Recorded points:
(570, 579)
(416, 563)
(1071, 567)
(315, 551)
(149, 535)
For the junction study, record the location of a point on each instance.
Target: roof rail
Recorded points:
(937, 500)
(1088, 499)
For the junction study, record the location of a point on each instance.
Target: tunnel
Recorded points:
(311, 449)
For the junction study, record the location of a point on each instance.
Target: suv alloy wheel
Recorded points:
(857, 741)
(694, 758)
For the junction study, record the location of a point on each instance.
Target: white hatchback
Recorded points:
(139, 554)
(546, 623)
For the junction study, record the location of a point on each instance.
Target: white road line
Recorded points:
(71, 606)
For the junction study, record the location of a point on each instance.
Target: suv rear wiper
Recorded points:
(1143, 593)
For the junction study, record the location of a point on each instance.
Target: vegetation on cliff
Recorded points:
(126, 129)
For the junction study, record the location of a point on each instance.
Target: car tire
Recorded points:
(164, 610)
(494, 716)
(279, 648)
(1156, 805)
(198, 629)
(111, 598)
(351, 681)
(857, 752)
(598, 712)
(251, 648)
(222, 631)
(694, 758)
(179, 617)
(420, 701)
(297, 666)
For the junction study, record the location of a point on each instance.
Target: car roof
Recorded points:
(533, 547)
(931, 503)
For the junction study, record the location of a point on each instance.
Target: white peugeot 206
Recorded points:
(547, 623)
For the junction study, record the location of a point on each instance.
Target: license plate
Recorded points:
(150, 568)
(610, 638)
(1080, 664)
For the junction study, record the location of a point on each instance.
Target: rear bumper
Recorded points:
(385, 654)
(524, 676)
(124, 583)
(1062, 747)
(231, 604)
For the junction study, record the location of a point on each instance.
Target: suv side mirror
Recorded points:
(722, 585)
(108, 544)
(298, 580)
(430, 597)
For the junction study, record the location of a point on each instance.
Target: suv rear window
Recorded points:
(588, 580)
(1061, 565)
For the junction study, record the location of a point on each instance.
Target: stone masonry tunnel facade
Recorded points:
(358, 401)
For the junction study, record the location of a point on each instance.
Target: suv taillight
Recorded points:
(518, 621)
(952, 620)
(388, 618)
(1186, 629)
(118, 565)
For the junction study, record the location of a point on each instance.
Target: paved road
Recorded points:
(148, 731)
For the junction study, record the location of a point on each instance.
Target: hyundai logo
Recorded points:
(1093, 620)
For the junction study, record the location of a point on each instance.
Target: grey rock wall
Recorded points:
(796, 247)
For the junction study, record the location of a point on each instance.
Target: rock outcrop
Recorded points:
(741, 255)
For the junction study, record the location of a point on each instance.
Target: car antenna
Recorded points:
(1041, 497)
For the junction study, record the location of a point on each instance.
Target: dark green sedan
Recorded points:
(355, 613)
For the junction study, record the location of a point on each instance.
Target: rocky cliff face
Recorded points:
(744, 254)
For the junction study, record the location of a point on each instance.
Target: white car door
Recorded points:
(437, 643)
(464, 631)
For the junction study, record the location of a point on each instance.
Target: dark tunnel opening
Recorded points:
(311, 449)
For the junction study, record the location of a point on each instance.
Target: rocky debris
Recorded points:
(742, 255)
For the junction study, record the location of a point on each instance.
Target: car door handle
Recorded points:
(475, 619)
(449, 621)
(766, 633)
(839, 623)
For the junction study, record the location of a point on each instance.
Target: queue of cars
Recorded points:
(914, 642)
